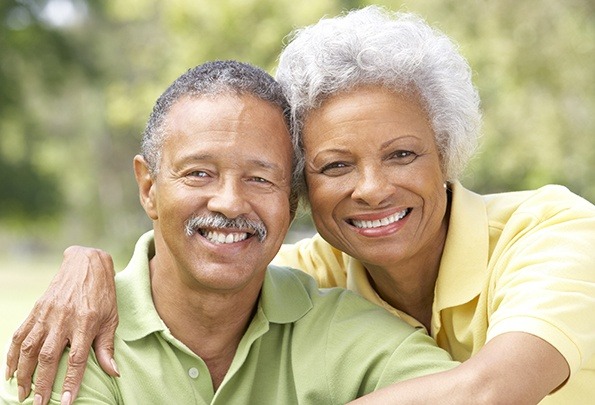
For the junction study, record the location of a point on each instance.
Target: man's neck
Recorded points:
(210, 323)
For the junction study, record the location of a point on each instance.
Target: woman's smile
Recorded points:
(374, 175)
(378, 223)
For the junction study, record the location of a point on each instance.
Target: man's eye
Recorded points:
(260, 180)
(198, 173)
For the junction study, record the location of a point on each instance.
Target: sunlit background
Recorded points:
(78, 79)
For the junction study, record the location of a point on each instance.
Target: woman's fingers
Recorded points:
(104, 347)
(78, 306)
(12, 358)
(48, 361)
(27, 358)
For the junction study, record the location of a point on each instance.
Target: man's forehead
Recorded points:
(224, 98)
(245, 124)
(221, 109)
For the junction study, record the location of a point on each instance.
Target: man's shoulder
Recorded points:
(321, 297)
(339, 306)
(352, 345)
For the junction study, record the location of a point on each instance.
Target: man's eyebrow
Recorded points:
(265, 164)
(197, 157)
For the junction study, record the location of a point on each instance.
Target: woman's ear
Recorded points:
(146, 186)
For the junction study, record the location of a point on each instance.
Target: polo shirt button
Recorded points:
(193, 372)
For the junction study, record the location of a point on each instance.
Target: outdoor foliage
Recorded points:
(78, 79)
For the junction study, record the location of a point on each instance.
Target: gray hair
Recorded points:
(399, 51)
(213, 78)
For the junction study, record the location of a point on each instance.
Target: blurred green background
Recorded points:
(78, 79)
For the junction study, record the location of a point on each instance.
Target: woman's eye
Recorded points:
(404, 157)
(334, 168)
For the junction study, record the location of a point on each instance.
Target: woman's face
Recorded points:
(374, 177)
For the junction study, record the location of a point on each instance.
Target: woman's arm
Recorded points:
(513, 368)
(77, 309)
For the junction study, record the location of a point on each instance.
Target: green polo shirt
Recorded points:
(303, 346)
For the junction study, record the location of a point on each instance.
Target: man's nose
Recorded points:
(229, 199)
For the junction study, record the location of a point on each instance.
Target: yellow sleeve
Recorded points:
(317, 258)
(544, 283)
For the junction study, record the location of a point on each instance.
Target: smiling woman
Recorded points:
(371, 156)
(388, 118)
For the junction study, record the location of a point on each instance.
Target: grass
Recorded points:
(22, 281)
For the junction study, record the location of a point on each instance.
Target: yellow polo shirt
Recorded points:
(520, 261)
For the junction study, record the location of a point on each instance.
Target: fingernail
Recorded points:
(66, 398)
(22, 395)
(38, 400)
(115, 367)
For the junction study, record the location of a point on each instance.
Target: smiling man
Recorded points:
(203, 316)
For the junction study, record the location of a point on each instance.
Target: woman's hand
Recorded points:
(78, 309)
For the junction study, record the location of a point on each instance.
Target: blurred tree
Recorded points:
(26, 193)
(29, 189)
(78, 79)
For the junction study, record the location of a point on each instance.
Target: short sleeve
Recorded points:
(544, 280)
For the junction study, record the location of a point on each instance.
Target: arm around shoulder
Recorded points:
(514, 368)
(79, 307)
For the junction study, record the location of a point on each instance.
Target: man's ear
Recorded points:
(146, 186)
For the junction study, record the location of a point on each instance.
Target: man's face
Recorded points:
(227, 156)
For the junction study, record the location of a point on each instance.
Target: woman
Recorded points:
(388, 118)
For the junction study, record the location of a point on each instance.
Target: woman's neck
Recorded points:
(409, 285)
(409, 291)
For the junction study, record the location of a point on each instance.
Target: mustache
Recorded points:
(220, 221)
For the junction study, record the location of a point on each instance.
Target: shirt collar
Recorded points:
(284, 297)
(138, 316)
(465, 255)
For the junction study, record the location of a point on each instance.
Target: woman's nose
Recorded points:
(372, 187)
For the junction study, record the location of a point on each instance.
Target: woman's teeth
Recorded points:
(381, 222)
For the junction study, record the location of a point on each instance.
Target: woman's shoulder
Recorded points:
(546, 201)
(316, 257)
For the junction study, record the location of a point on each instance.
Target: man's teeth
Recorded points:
(380, 222)
(219, 237)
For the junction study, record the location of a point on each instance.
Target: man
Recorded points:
(203, 317)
